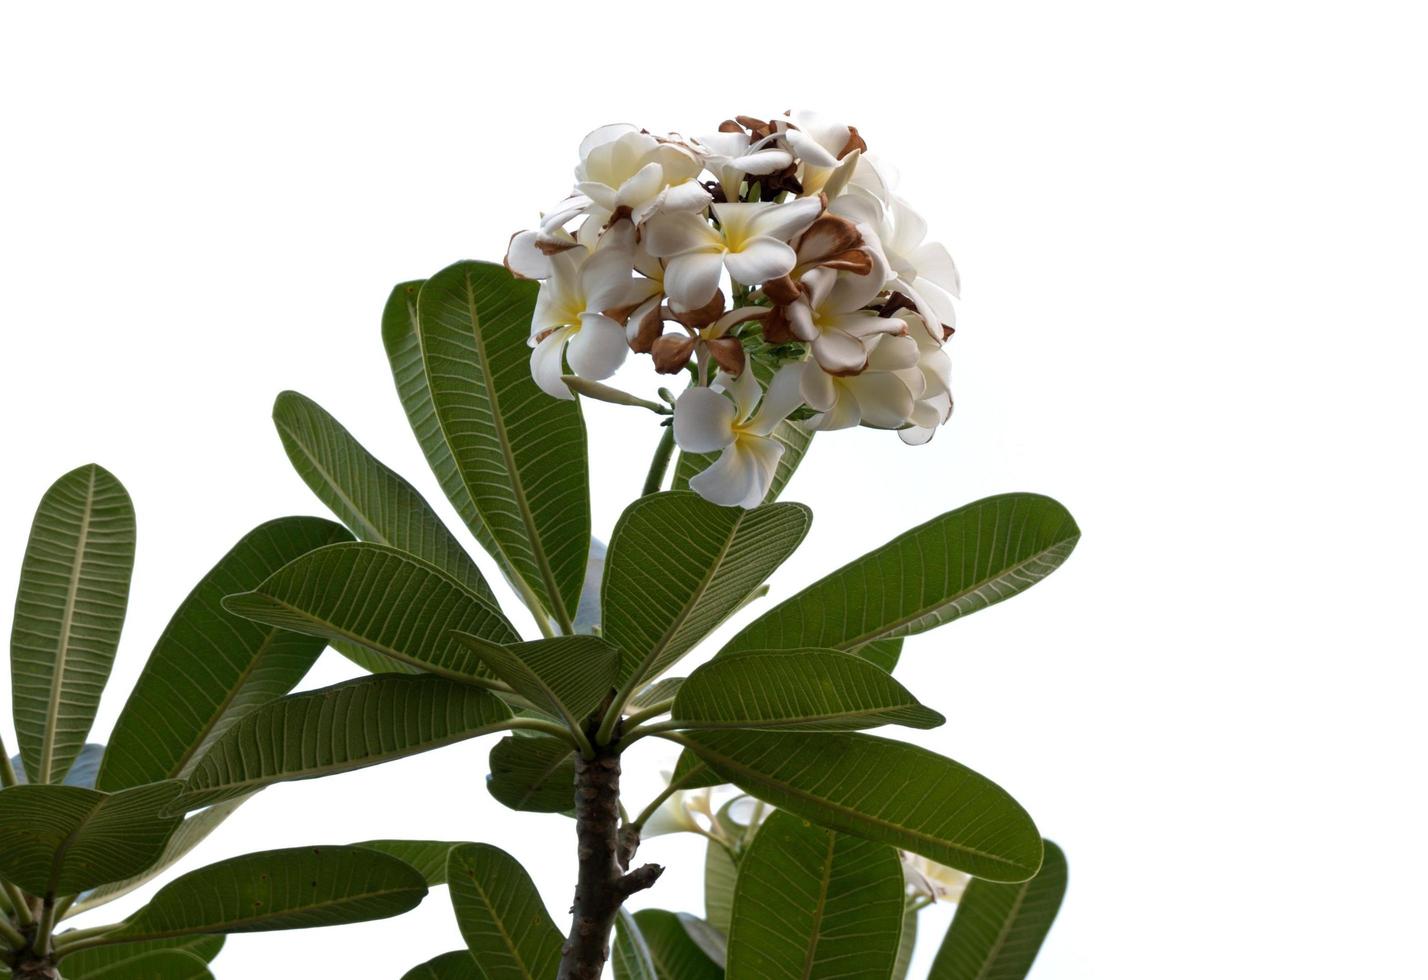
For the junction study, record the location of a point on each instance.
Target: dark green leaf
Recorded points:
(565, 677)
(659, 692)
(533, 773)
(631, 956)
(74, 588)
(883, 654)
(814, 903)
(907, 941)
(951, 566)
(720, 875)
(427, 856)
(159, 959)
(83, 772)
(210, 667)
(885, 791)
(808, 690)
(500, 913)
(374, 501)
(998, 929)
(347, 726)
(679, 565)
(60, 840)
(455, 965)
(674, 954)
(691, 772)
(521, 454)
(381, 598)
(294, 888)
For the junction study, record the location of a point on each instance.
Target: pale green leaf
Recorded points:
(659, 692)
(907, 941)
(951, 566)
(565, 677)
(293, 888)
(882, 790)
(533, 773)
(347, 726)
(510, 934)
(211, 667)
(674, 954)
(370, 498)
(382, 598)
(69, 610)
(679, 565)
(720, 875)
(999, 929)
(630, 957)
(61, 840)
(813, 903)
(807, 690)
(521, 453)
(427, 856)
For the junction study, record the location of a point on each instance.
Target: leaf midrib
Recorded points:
(47, 746)
(500, 927)
(227, 924)
(369, 530)
(177, 769)
(1002, 934)
(824, 880)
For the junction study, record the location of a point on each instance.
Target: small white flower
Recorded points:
(932, 880)
(885, 396)
(570, 310)
(677, 814)
(622, 168)
(751, 242)
(832, 316)
(723, 417)
(728, 156)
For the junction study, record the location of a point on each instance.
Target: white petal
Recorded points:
(852, 292)
(858, 207)
(703, 420)
(783, 397)
(762, 162)
(670, 234)
(786, 221)
(843, 415)
(727, 145)
(685, 196)
(598, 348)
(911, 228)
(883, 399)
(760, 260)
(645, 184)
(765, 454)
(744, 389)
(547, 365)
(817, 387)
(839, 353)
(934, 263)
(893, 354)
(605, 134)
(692, 279)
(605, 278)
(810, 150)
(524, 259)
(741, 476)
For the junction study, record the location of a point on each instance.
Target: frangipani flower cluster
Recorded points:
(771, 262)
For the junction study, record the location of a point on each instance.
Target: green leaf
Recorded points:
(565, 677)
(455, 965)
(69, 610)
(507, 929)
(159, 959)
(371, 661)
(884, 791)
(907, 941)
(381, 598)
(674, 955)
(720, 875)
(82, 772)
(709, 940)
(679, 565)
(520, 453)
(175, 710)
(659, 692)
(691, 772)
(293, 888)
(60, 840)
(192, 832)
(402, 339)
(814, 903)
(884, 654)
(587, 613)
(427, 856)
(953, 565)
(804, 690)
(998, 929)
(533, 773)
(347, 726)
(374, 501)
(631, 957)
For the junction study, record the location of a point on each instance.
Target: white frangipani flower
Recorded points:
(832, 315)
(728, 156)
(751, 242)
(932, 880)
(570, 310)
(625, 170)
(723, 417)
(826, 148)
(884, 396)
(677, 814)
(934, 405)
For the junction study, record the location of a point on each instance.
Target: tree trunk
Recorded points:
(603, 884)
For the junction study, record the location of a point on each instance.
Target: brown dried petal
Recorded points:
(777, 329)
(783, 290)
(728, 353)
(672, 352)
(855, 142)
(829, 235)
(650, 327)
(856, 261)
(704, 315)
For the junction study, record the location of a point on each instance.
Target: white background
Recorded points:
(1192, 240)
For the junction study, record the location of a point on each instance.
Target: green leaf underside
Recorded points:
(402, 339)
(533, 773)
(999, 928)
(210, 667)
(370, 660)
(293, 888)
(61, 840)
(907, 942)
(658, 606)
(812, 903)
(953, 565)
(369, 497)
(691, 772)
(427, 856)
(884, 791)
(69, 611)
(347, 726)
(720, 876)
(455, 965)
(159, 959)
(565, 677)
(659, 692)
(82, 772)
(521, 454)
(382, 598)
(809, 690)
(884, 654)
(507, 929)
(674, 955)
(630, 955)
(192, 832)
